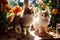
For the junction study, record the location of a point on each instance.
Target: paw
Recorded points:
(36, 32)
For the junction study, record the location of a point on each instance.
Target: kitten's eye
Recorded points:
(41, 15)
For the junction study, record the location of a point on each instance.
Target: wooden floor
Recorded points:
(31, 36)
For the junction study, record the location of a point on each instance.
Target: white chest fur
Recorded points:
(40, 22)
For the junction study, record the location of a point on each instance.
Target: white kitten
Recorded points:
(41, 21)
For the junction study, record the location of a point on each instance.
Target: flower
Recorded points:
(17, 9)
(43, 5)
(8, 7)
(55, 11)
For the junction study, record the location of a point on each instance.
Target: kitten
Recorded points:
(26, 19)
(41, 21)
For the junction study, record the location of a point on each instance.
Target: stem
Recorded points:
(57, 3)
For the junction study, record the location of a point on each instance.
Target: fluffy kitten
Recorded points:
(41, 21)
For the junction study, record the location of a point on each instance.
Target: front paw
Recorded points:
(36, 32)
(32, 28)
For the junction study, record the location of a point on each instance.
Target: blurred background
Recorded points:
(20, 2)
